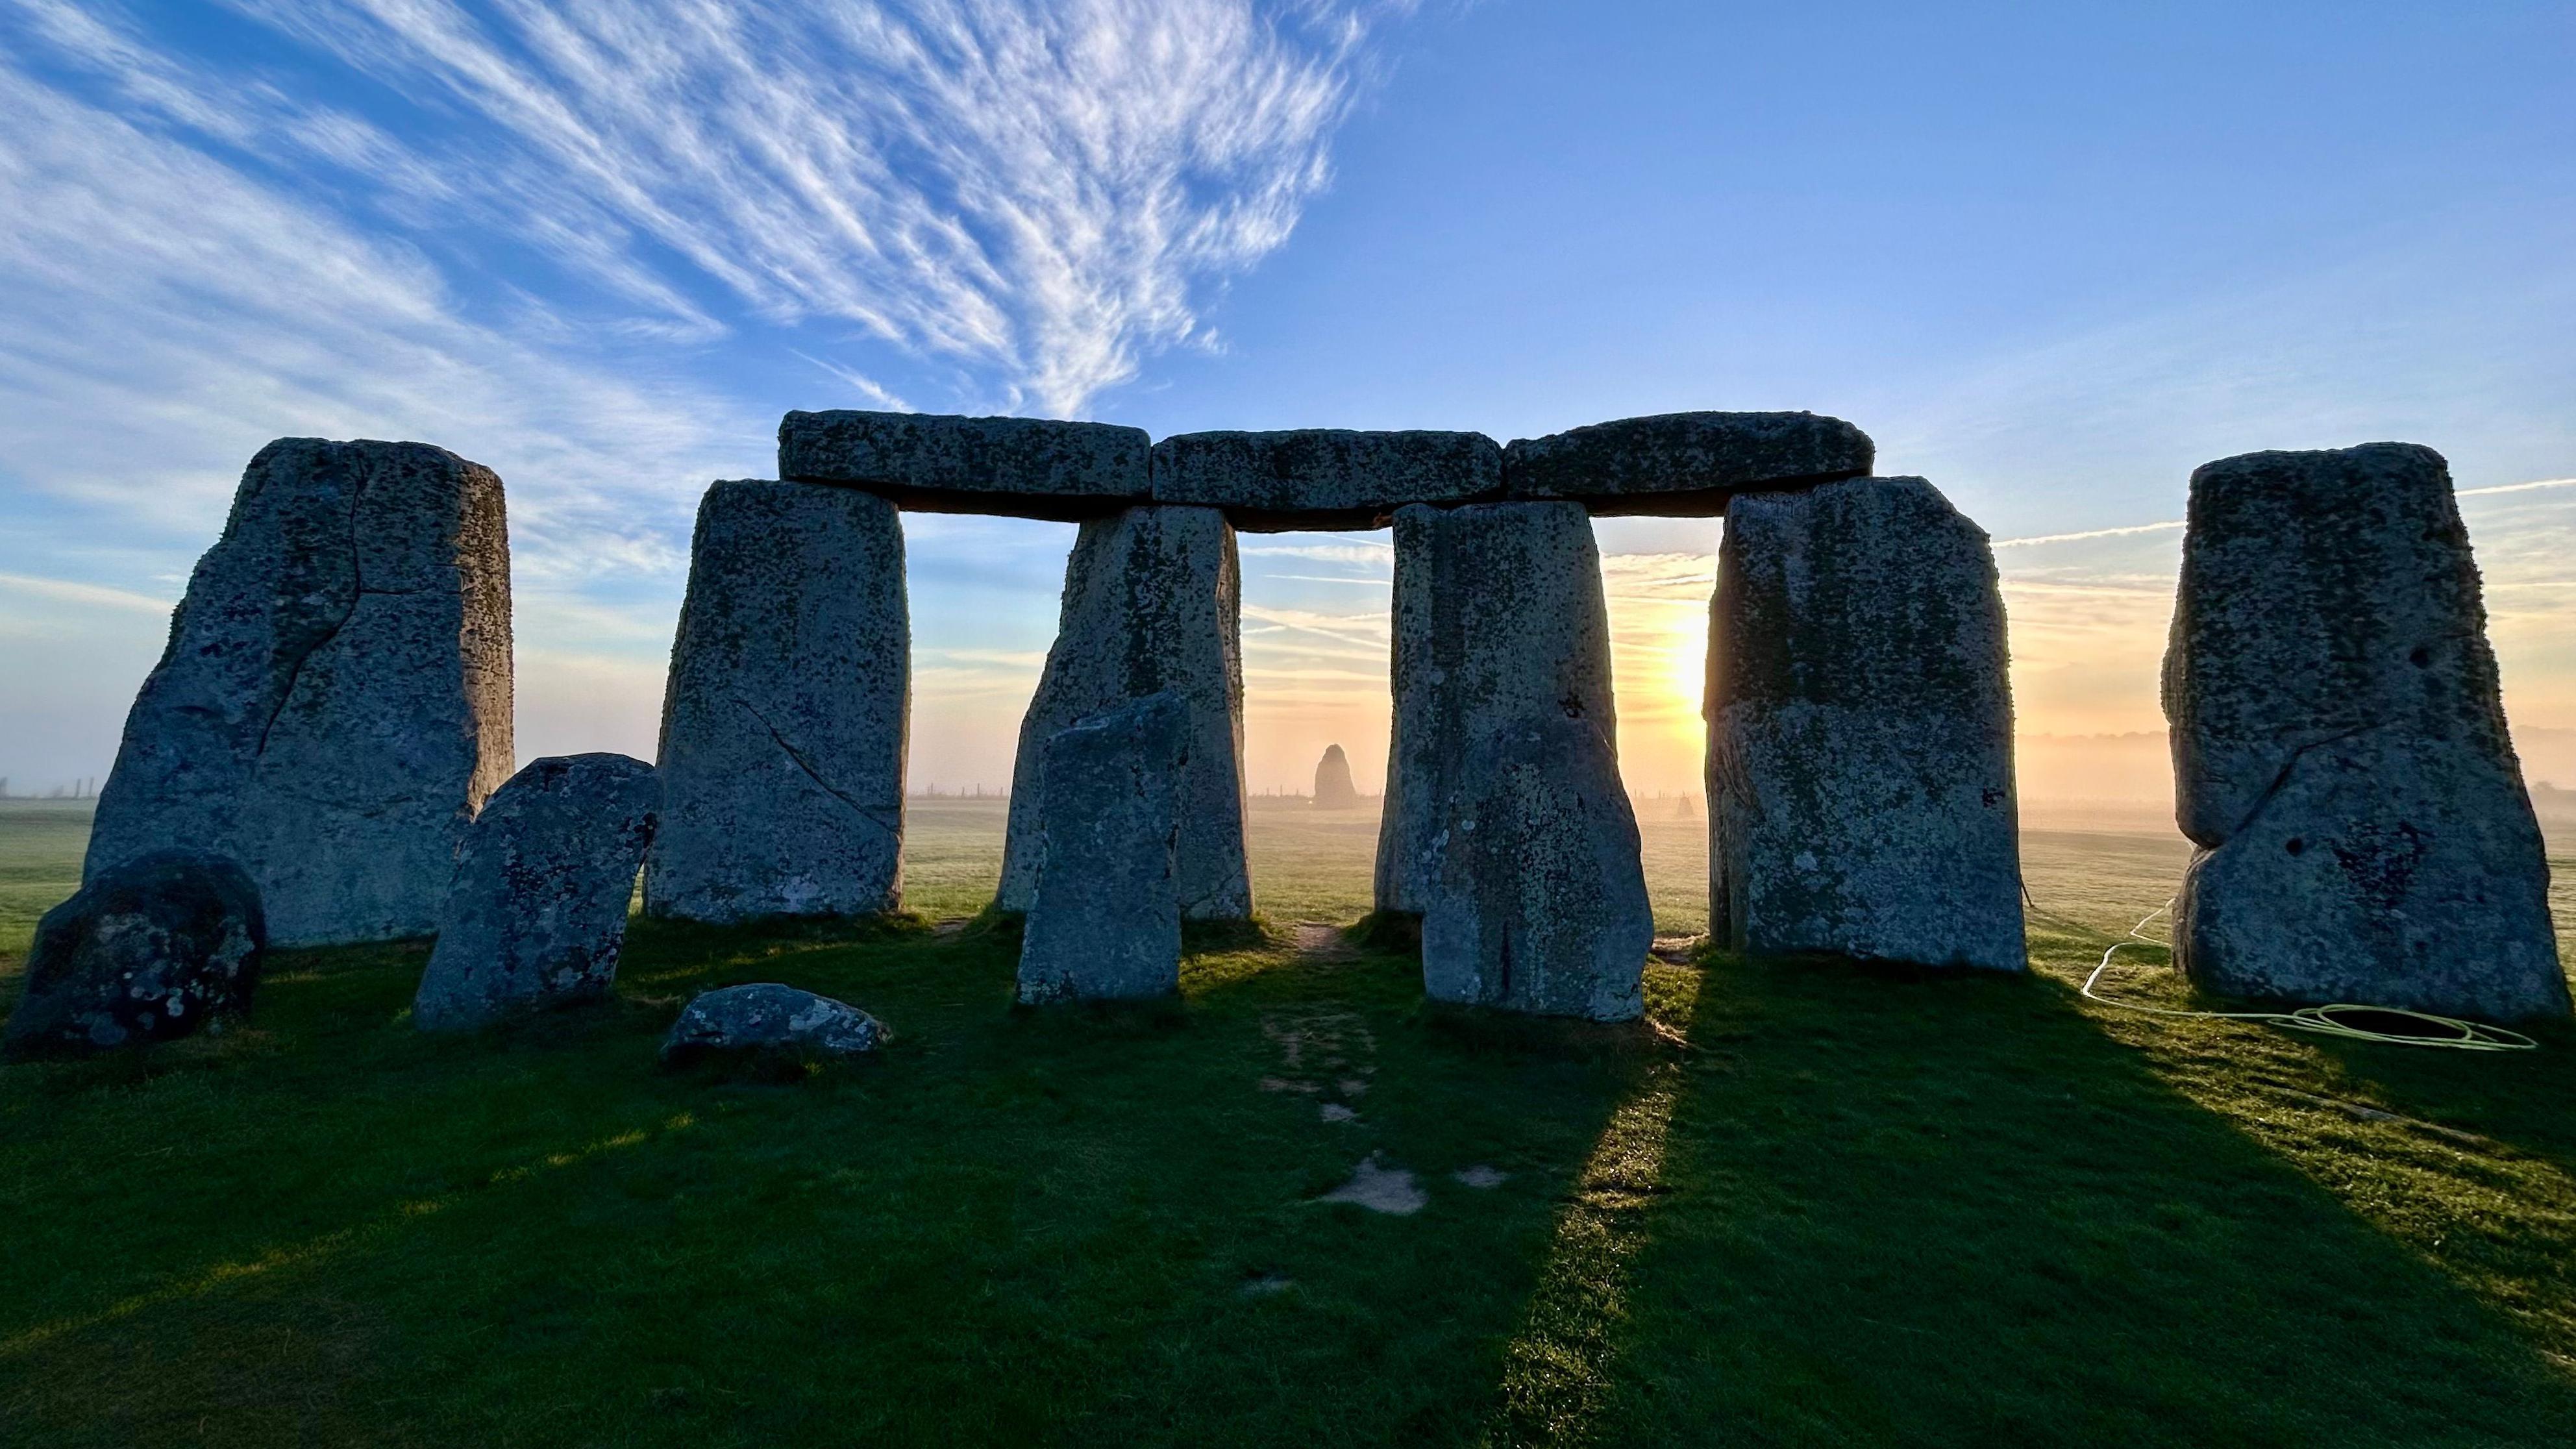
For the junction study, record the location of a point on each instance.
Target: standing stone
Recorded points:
(782, 753)
(1152, 602)
(149, 950)
(334, 704)
(2340, 751)
(537, 911)
(1499, 620)
(1540, 905)
(1106, 922)
(1333, 788)
(1860, 777)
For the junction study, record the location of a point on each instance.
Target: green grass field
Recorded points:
(1812, 1204)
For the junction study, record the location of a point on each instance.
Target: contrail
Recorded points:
(2089, 533)
(2177, 523)
(2518, 487)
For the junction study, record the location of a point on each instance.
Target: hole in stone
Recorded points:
(2421, 657)
(2295, 845)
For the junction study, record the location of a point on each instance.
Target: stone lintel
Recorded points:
(1684, 465)
(1324, 478)
(1679, 465)
(930, 463)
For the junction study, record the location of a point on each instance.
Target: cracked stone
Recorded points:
(335, 701)
(783, 725)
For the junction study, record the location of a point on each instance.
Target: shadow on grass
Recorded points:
(1849, 1206)
(1902, 1206)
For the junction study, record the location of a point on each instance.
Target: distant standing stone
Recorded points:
(2340, 748)
(1152, 602)
(537, 913)
(1106, 922)
(1860, 777)
(149, 950)
(783, 725)
(1540, 905)
(765, 1019)
(1333, 788)
(334, 704)
(1499, 622)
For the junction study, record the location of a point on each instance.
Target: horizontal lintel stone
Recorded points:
(1026, 467)
(1323, 478)
(1684, 464)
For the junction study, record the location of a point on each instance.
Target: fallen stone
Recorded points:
(1024, 467)
(1499, 620)
(783, 727)
(1481, 1177)
(1333, 788)
(1152, 603)
(1684, 464)
(2340, 748)
(1540, 905)
(536, 915)
(335, 700)
(1105, 923)
(151, 949)
(1322, 478)
(767, 1021)
(1860, 777)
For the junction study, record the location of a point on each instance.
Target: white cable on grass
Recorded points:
(2467, 1036)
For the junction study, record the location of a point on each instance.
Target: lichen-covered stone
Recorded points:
(1860, 778)
(1684, 464)
(1322, 478)
(1540, 905)
(149, 950)
(1333, 788)
(2340, 749)
(1499, 620)
(1105, 921)
(1025, 467)
(783, 727)
(766, 1020)
(335, 700)
(536, 914)
(1152, 602)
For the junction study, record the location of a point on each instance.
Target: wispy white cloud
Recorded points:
(1033, 189)
(67, 591)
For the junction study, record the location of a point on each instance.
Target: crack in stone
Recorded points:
(873, 815)
(358, 592)
(2281, 780)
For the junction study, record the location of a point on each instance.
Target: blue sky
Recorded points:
(2050, 256)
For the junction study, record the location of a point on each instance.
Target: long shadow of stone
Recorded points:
(1320, 1322)
(1902, 1207)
